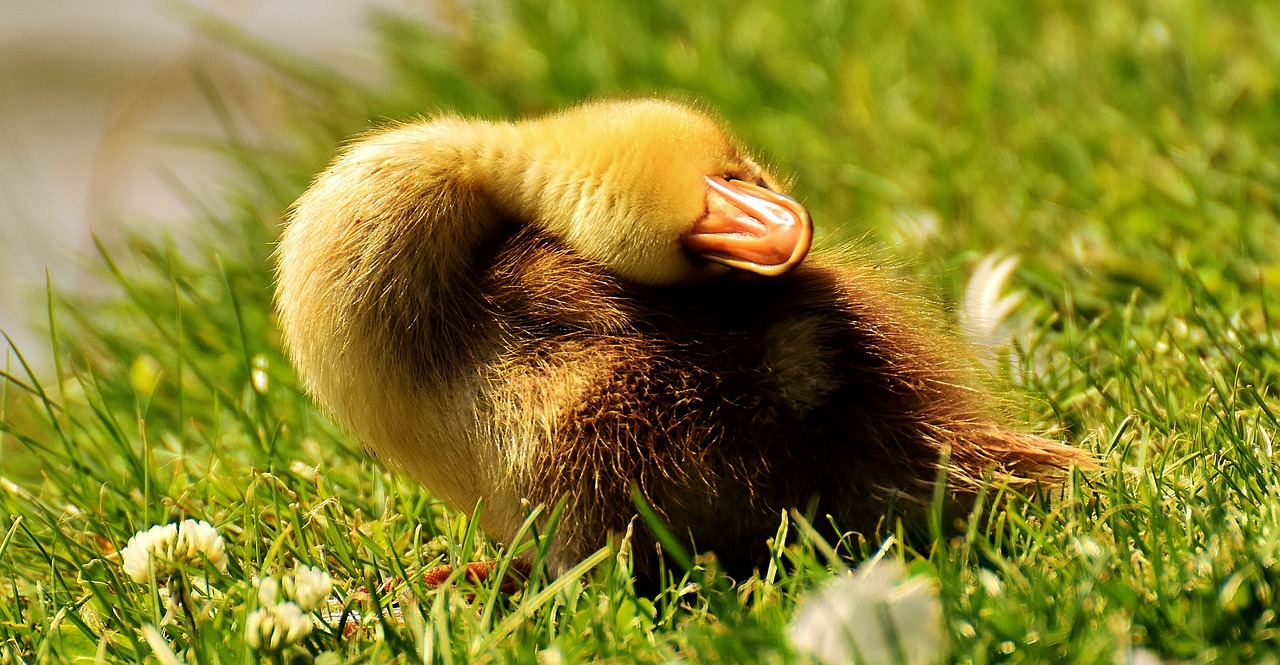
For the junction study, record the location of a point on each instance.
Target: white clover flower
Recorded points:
(916, 227)
(872, 616)
(986, 307)
(268, 591)
(1139, 656)
(138, 552)
(305, 471)
(307, 586)
(259, 377)
(166, 547)
(271, 629)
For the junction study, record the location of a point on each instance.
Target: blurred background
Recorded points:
(105, 106)
(1109, 146)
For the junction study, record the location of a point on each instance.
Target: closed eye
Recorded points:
(757, 180)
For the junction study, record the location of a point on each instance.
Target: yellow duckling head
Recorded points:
(656, 191)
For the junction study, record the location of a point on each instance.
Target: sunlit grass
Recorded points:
(1127, 153)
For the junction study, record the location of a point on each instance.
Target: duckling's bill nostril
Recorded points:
(750, 228)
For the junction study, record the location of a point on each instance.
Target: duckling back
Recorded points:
(729, 402)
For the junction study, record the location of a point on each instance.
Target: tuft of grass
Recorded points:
(1128, 152)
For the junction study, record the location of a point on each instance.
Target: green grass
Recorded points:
(1128, 152)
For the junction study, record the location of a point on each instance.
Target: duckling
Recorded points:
(618, 295)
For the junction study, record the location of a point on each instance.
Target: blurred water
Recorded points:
(92, 95)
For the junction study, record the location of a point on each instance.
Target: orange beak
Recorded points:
(750, 228)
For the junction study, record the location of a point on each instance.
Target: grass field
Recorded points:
(1128, 153)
